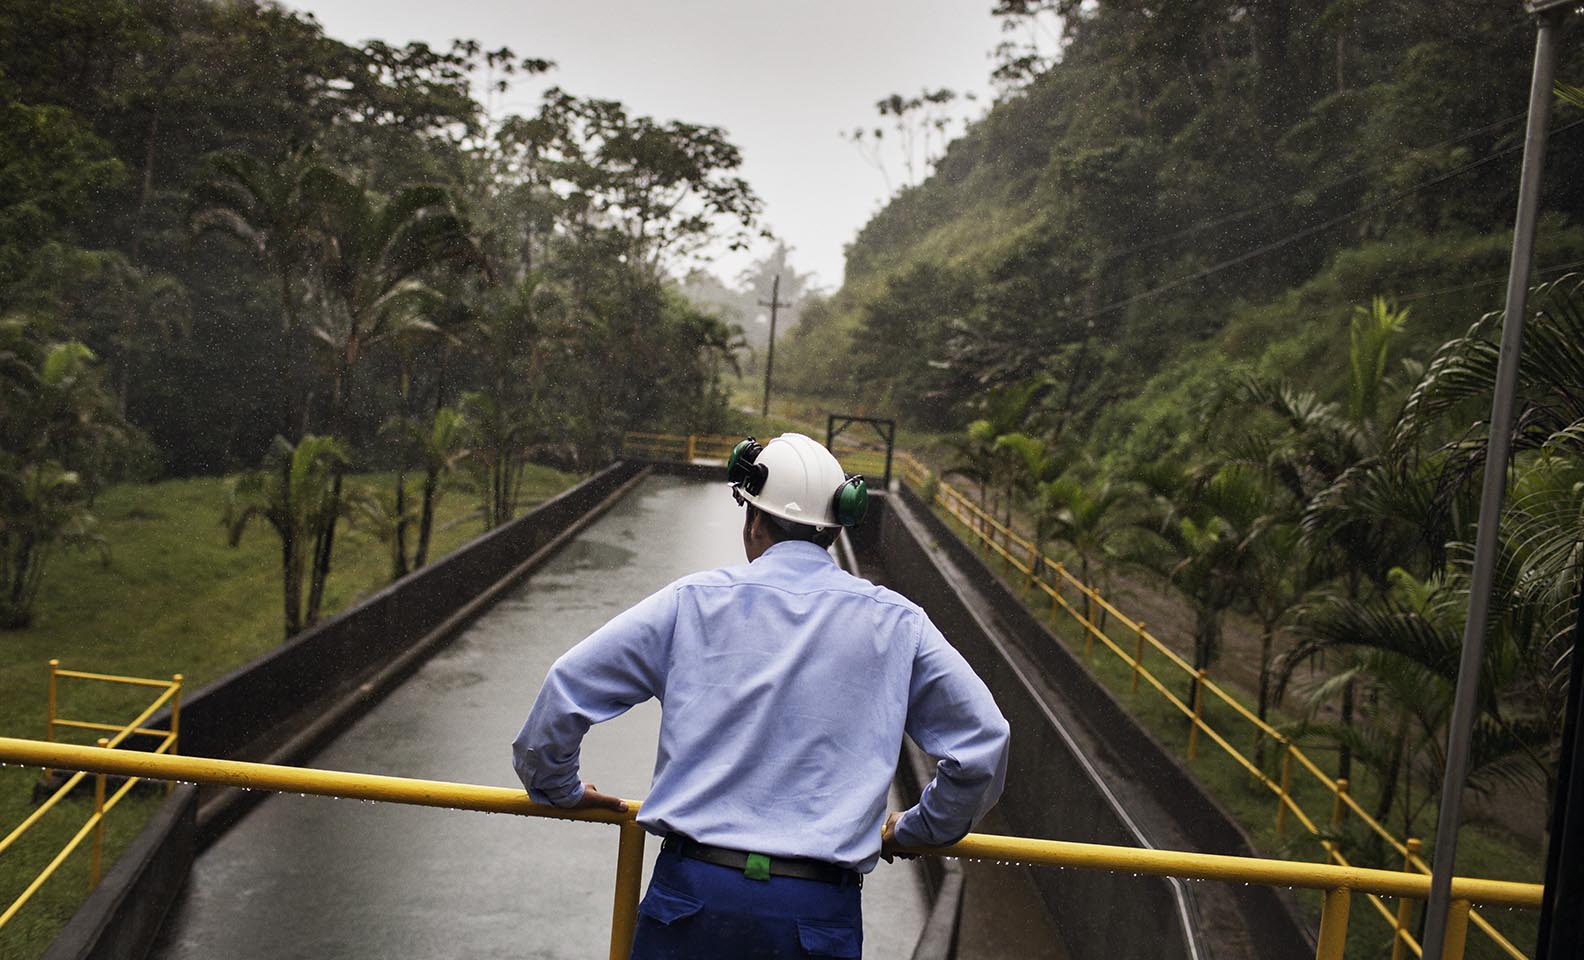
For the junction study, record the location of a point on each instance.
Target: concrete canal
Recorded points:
(305, 877)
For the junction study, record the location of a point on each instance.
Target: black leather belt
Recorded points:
(757, 865)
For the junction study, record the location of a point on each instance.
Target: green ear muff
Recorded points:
(851, 501)
(741, 470)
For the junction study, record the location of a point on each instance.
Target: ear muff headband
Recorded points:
(851, 501)
(741, 470)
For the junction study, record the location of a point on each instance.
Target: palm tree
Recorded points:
(41, 507)
(1406, 643)
(266, 207)
(1550, 399)
(57, 422)
(1210, 528)
(1037, 463)
(497, 436)
(1325, 451)
(439, 447)
(367, 286)
(1101, 519)
(994, 466)
(294, 493)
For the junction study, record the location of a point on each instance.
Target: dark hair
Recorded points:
(783, 530)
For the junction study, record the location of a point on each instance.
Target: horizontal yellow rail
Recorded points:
(1056, 853)
(112, 678)
(1002, 539)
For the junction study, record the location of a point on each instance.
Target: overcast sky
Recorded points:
(783, 79)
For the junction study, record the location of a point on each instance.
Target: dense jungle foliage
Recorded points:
(228, 241)
(1200, 299)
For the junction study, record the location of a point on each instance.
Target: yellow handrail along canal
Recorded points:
(1338, 882)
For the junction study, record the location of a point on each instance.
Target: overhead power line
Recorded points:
(1310, 231)
(1285, 199)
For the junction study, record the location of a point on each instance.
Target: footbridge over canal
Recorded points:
(430, 678)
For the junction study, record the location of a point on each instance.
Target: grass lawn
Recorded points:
(172, 598)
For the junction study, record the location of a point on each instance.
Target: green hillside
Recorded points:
(1198, 188)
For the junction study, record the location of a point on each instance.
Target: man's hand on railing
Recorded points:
(594, 800)
(888, 844)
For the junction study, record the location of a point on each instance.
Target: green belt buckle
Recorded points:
(757, 867)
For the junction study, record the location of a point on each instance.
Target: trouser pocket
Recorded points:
(666, 907)
(830, 939)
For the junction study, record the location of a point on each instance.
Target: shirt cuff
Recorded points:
(560, 798)
(906, 830)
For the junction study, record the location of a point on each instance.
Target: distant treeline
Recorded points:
(1176, 176)
(114, 113)
(228, 240)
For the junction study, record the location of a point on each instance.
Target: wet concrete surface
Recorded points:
(309, 877)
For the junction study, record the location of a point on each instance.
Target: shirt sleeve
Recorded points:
(952, 716)
(615, 667)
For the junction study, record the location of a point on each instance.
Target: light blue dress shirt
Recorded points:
(785, 687)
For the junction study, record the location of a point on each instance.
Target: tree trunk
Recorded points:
(291, 582)
(1345, 753)
(1388, 790)
(325, 543)
(426, 518)
(1267, 636)
(288, 329)
(399, 548)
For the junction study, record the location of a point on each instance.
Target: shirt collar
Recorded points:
(796, 550)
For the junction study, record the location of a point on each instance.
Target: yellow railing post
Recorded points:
(98, 833)
(1138, 653)
(1056, 586)
(691, 446)
(54, 667)
(49, 721)
(175, 726)
(1286, 786)
(1338, 808)
(1404, 906)
(1456, 930)
(1333, 924)
(629, 874)
(1198, 708)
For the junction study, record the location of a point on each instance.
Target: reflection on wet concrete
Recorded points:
(308, 877)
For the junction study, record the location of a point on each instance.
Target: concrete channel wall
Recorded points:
(283, 705)
(1051, 790)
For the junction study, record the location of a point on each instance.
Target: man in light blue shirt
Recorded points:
(786, 685)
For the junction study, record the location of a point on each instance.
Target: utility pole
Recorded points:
(775, 302)
(1548, 16)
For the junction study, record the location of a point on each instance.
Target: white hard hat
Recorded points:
(796, 479)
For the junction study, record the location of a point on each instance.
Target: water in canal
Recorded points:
(309, 877)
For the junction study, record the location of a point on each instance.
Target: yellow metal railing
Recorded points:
(94, 825)
(1052, 578)
(1040, 572)
(1338, 882)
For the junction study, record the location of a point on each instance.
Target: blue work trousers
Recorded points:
(700, 911)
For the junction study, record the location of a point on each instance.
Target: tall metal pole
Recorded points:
(1497, 449)
(775, 301)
